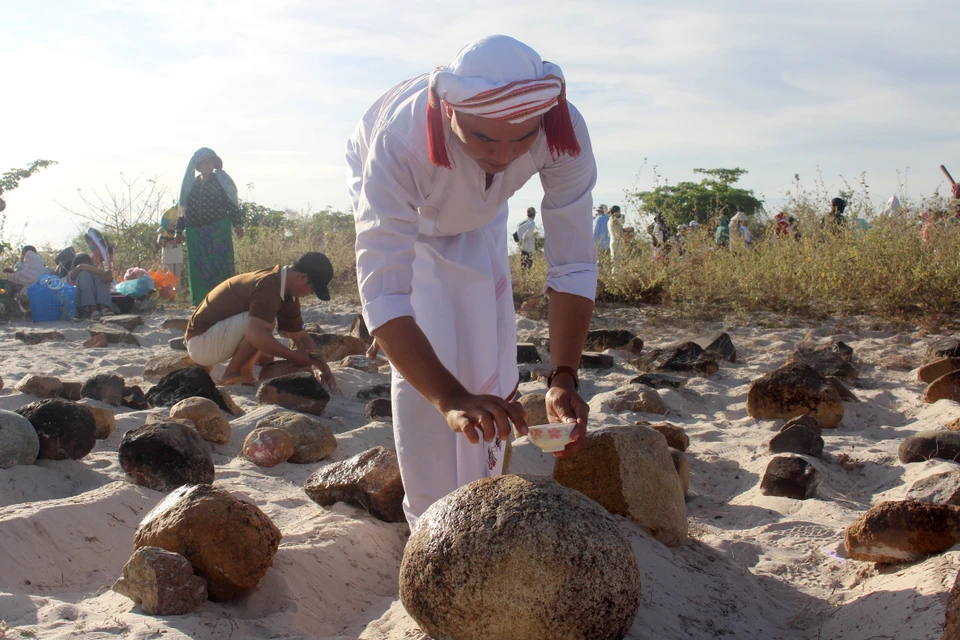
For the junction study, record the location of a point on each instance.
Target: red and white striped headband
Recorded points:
(514, 101)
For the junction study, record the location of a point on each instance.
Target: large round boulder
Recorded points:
(205, 414)
(230, 542)
(298, 391)
(795, 389)
(313, 441)
(267, 447)
(19, 443)
(519, 557)
(105, 387)
(66, 429)
(165, 455)
(895, 532)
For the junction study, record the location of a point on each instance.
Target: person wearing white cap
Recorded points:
(739, 228)
(430, 168)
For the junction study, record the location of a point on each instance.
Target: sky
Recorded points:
(123, 90)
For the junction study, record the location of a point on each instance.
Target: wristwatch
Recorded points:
(564, 369)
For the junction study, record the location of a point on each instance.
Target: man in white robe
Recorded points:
(430, 169)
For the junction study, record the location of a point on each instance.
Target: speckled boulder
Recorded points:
(297, 391)
(313, 441)
(628, 471)
(535, 404)
(161, 582)
(267, 447)
(39, 386)
(939, 488)
(794, 389)
(379, 409)
(105, 387)
(687, 357)
(519, 557)
(370, 480)
(676, 436)
(165, 455)
(635, 399)
(205, 416)
(230, 542)
(67, 430)
(895, 532)
(19, 443)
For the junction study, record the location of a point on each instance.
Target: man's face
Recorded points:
(493, 144)
(300, 285)
(206, 167)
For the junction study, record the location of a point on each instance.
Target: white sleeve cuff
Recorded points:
(381, 310)
(579, 279)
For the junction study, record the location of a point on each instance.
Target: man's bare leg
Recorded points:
(240, 368)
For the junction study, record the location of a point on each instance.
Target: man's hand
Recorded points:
(479, 416)
(956, 190)
(326, 375)
(564, 404)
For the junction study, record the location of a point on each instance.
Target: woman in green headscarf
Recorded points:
(722, 237)
(209, 208)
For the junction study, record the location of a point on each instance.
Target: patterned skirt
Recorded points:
(209, 257)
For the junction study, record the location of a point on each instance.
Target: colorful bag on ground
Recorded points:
(52, 299)
(162, 277)
(138, 288)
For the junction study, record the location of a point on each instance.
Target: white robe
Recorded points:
(432, 244)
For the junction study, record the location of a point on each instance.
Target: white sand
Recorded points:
(755, 566)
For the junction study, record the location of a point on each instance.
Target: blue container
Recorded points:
(52, 299)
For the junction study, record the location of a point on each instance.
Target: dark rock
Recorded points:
(359, 330)
(584, 583)
(279, 368)
(230, 542)
(946, 387)
(794, 389)
(826, 361)
(159, 366)
(896, 532)
(843, 350)
(165, 455)
(789, 477)
(114, 335)
(799, 439)
(177, 344)
(71, 390)
(161, 582)
(105, 387)
(98, 341)
(805, 420)
(175, 324)
(659, 381)
(297, 391)
(36, 337)
(940, 488)
(719, 346)
(126, 321)
(925, 445)
(687, 357)
(184, 383)
(67, 430)
(527, 353)
(944, 348)
(134, 398)
(603, 339)
(379, 408)
(376, 391)
(333, 346)
(596, 361)
(845, 394)
(370, 480)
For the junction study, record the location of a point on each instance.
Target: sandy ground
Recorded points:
(754, 567)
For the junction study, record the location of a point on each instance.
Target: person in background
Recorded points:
(93, 287)
(601, 229)
(28, 270)
(527, 239)
(210, 208)
(171, 255)
(722, 236)
(615, 231)
(739, 229)
(835, 218)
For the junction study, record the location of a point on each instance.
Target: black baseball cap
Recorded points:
(318, 270)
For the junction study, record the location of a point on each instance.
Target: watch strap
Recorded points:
(564, 369)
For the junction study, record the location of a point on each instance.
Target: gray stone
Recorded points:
(165, 455)
(370, 480)
(719, 346)
(659, 381)
(33, 337)
(603, 339)
(105, 387)
(924, 445)
(477, 566)
(161, 582)
(39, 386)
(359, 329)
(682, 466)
(126, 321)
(177, 344)
(687, 357)
(19, 443)
(944, 348)
(175, 324)
(114, 335)
(827, 361)
(637, 400)
(160, 366)
(376, 391)
(845, 394)
(789, 477)
(939, 488)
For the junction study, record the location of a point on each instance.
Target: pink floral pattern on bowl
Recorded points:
(551, 437)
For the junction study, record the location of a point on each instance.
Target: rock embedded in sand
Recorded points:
(313, 441)
(33, 337)
(369, 480)
(687, 357)
(161, 582)
(297, 391)
(126, 321)
(659, 381)
(231, 406)
(206, 417)
(789, 477)
(160, 366)
(267, 447)
(98, 341)
(175, 324)
(603, 339)
(794, 389)
(946, 387)
(719, 346)
(939, 367)
(535, 404)
(105, 387)
(682, 466)
(165, 455)
(67, 430)
(192, 382)
(71, 390)
(177, 344)
(358, 329)
(230, 542)
(333, 346)
(361, 363)
(629, 472)
(924, 445)
(527, 353)
(806, 420)
(826, 361)
(895, 532)
(944, 348)
(596, 361)
(39, 386)
(842, 391)
(379, 408)
(951, 623)
(799, 439)
(114, 335)
(105, 420)
(19, 443)
(279, 368)
(676, 436)
(477, 566)
(939, 488)
(134, 398)
(633, 399)
(376, 391)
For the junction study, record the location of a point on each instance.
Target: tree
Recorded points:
(10, 181)
(686, 201)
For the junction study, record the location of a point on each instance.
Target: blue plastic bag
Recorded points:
(52, 299)
(142, 286)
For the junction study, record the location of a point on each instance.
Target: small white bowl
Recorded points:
(551, 437)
